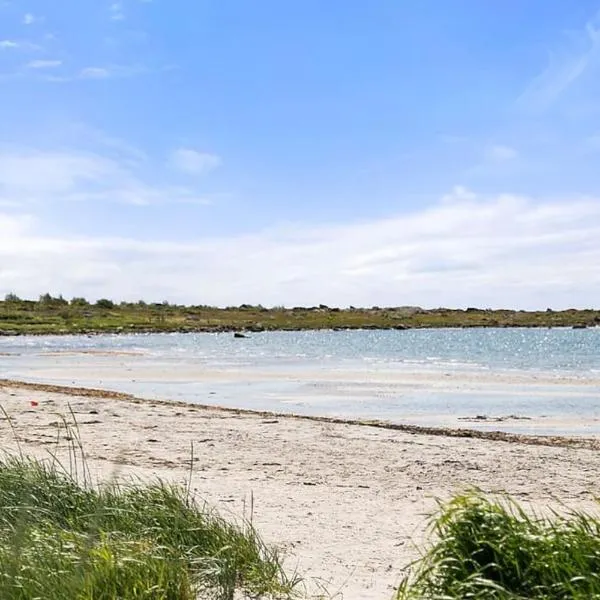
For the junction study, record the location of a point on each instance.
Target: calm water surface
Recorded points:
(549, 378)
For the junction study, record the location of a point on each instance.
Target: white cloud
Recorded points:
(500, 153)
(496, 160)
(29, 19)
(459, 194)
(89, 73)
(112, 71)
(44, 64)
(126, 152)
(45, 173)
(137, 193)
(13, 226)
(566, 67)
(499, 251)
(116, 11)
(19, 45)
(194, 162)
(32, 177)
(95, 73)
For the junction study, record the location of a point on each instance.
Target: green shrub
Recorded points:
(50, 562)
(61, 539)
(105, 303)
(79, 302)
(495, 550)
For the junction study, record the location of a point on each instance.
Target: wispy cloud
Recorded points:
(117, 12)
(19, 45)
(44, 64)
(459, 194)
(27, 174)
(137, 193)
(29, 19)
(493, 251)
(501, 153)
(494, 160)
(95, 73)
(194, 162)
(110, 145)
(111, 72)
(566, 66)
(30, 177)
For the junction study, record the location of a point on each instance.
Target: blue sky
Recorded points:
(419, 152)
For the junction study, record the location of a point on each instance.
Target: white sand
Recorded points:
(346, 502)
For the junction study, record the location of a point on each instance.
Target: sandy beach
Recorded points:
(346, 503)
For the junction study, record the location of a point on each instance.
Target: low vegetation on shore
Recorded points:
(494, 550)
(62, 538)
(56, 315)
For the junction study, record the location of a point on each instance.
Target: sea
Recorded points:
(530, 381)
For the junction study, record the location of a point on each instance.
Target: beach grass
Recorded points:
(494, 549)
(62, 538)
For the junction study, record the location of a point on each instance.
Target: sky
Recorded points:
(302, 152)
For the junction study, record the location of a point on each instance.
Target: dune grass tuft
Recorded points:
(495, 550)
(62, 539)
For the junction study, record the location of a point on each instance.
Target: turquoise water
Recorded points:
(538, 349)
(439, 377)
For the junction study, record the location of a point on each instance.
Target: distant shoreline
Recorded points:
(56, 316)
(250, 330)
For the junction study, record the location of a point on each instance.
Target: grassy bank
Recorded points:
(61, 539)
(495, 550)
(50, 315)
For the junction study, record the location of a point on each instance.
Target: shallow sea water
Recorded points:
(543, 381)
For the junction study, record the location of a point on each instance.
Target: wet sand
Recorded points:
(524, 402)
(346, 502)
(407, 375)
